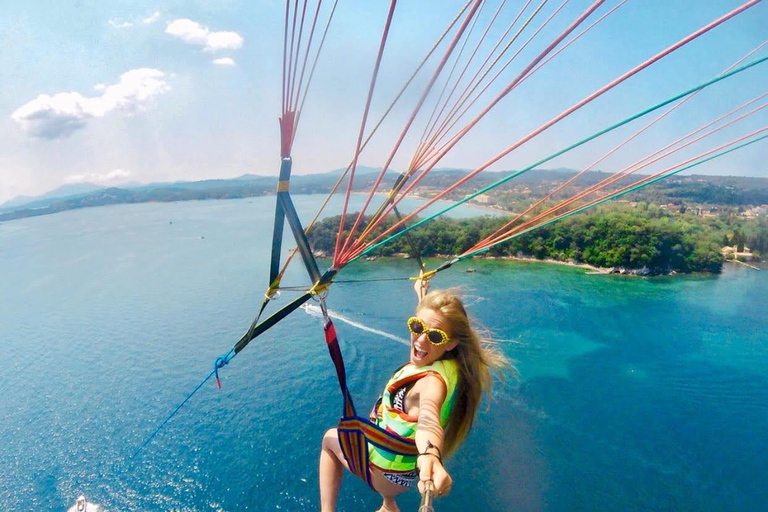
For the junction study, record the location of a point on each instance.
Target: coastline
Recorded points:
(588, 269)
(530, 259)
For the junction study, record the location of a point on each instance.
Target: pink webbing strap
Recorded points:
(286, 133)
(332, 342)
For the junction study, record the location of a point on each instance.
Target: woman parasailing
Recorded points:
(432, 400)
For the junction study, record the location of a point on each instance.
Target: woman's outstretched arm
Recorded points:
(429, 436)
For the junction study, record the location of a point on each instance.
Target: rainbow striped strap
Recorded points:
(355, 432)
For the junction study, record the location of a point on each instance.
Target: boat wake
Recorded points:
(313, 310)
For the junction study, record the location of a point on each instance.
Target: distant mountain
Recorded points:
(717, 190)
(245, 180)
(69, 190)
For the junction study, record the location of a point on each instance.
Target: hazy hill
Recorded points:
(70, 190)
(716, 190)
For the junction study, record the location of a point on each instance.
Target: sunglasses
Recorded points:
(436, 337)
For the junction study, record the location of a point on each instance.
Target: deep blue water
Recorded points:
(634, 394)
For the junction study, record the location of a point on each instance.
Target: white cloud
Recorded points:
(60, 115)
(118, 24)
(90, 177)
(224, 61)
(194, 33)
(155, 16)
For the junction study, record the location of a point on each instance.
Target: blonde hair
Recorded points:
(476, 358)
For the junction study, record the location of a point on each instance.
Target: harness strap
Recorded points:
(354, 446)
(355, 432)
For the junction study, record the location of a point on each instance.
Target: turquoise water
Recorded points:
(634, 394)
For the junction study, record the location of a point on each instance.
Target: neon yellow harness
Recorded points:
(398, 422)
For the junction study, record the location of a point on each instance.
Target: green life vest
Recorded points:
(399, 422)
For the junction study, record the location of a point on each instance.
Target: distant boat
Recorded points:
(470, 269)
(82, 505)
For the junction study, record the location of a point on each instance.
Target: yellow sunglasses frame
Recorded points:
(426, 330)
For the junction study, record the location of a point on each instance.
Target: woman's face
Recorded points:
(424, 353)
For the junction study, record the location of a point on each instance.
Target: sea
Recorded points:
(630, 394)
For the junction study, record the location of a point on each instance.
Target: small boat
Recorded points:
(82, 505)
(470, 270)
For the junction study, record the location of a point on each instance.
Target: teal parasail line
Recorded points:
(614, 196)
(583, 141)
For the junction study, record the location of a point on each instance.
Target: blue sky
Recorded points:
(145, 91)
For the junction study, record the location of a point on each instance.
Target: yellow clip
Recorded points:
(320, 288)
(426, 276)
(283, 186)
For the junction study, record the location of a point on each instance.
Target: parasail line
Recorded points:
(490, 54)
(287, 85)
(357, 247)
(638, 165)
(529, 75)
(314, 65)
(557, 118)
(461, 75)
(373, 131)
(377, 242)
(168, 418)
(448, 124)
(642, 130)
(404, 177)
(284, 108)
(670, 171)
(292, 85)
(629, 139)
(339, 253)
(305, 59)
(384, 35)
(626, 171)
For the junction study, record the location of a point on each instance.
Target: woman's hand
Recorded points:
(421, 286)
(431, 469)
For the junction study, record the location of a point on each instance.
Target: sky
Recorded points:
(109, 92)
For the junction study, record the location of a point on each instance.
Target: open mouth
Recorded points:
(419, 354)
